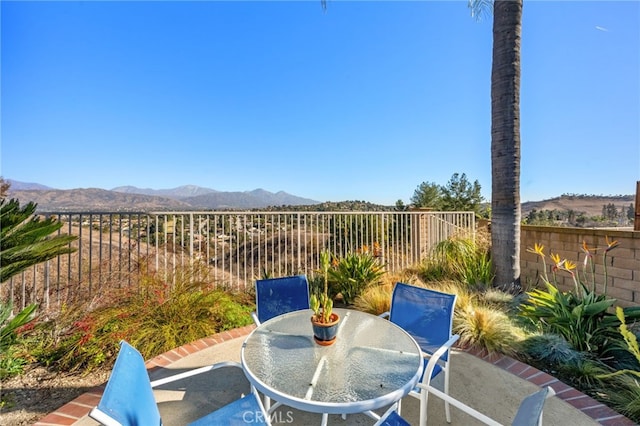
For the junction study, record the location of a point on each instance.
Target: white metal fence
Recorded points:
(234, 248)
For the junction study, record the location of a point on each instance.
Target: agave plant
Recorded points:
(352, 274)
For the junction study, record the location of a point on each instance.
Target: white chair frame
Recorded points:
(107, 420)
(522, 410)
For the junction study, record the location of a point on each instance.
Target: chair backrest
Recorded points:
(425, 314)
(128, 397)
(277, 296)
(530, 411)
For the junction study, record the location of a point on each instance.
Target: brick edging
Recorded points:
(589, 406)
(74, 410)
(78, 408)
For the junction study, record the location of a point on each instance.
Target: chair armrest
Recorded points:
(435, 357)
(525, 413)
(103, 418)
(460, 405)
(194, 372)
(385, 314)
(532, 406)
(254, 315)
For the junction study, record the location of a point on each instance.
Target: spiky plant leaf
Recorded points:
(26, 239)
(8, 326)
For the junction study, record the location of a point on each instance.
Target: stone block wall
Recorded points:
(623, 262)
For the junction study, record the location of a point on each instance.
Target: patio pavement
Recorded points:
(493, 385)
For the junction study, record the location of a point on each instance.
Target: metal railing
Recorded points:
(233, 248)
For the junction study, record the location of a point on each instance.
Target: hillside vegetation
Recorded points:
(581, 211)
(591, 205)
(564, 209)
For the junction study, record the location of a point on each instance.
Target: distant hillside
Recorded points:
(337, 206)
(590, 205)
(26, 186)
(129, 198)
(205, 198)
(191, 197)
(94, 200)
(255, 199)
(176, 193)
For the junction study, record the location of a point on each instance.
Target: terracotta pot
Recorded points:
(325, 333)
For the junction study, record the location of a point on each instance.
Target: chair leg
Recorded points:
(447, 406)
(424, 399)
(270, 408)
(325, 419)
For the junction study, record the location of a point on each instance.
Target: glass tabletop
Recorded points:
(373, 363)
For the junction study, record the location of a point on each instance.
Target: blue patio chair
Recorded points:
(128, 398)
(277, 296)
(427, 315)
(529, 413)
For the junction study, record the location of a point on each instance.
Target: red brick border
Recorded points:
(73, 411)
(592, 408)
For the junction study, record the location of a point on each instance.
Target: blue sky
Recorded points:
(364, 101)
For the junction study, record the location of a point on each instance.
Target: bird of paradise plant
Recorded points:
(583, 316)
(588, 266)
(589, 263)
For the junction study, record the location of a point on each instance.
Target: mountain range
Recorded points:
(192, 198)
(131, 198)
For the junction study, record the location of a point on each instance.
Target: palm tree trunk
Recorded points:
(505, 142)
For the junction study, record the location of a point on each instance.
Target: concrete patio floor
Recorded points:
(492, 385)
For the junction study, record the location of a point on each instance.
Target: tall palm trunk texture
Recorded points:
(505, 142)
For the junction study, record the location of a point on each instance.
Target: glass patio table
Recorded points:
(372, 364)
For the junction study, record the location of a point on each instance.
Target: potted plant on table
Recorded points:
(324, 321)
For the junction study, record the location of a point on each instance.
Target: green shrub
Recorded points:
(352, 274)
(553, 354)
(485, 327)
(11, 362)
(479, 324)
(156, 319)
(632, 348)
(498, 298)
(375, 300)
(461, 259)
(624, 397)
(25, 240)
(583, 317)
(577, 319)
(585, 375)
(187, 316)
(551, 350)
